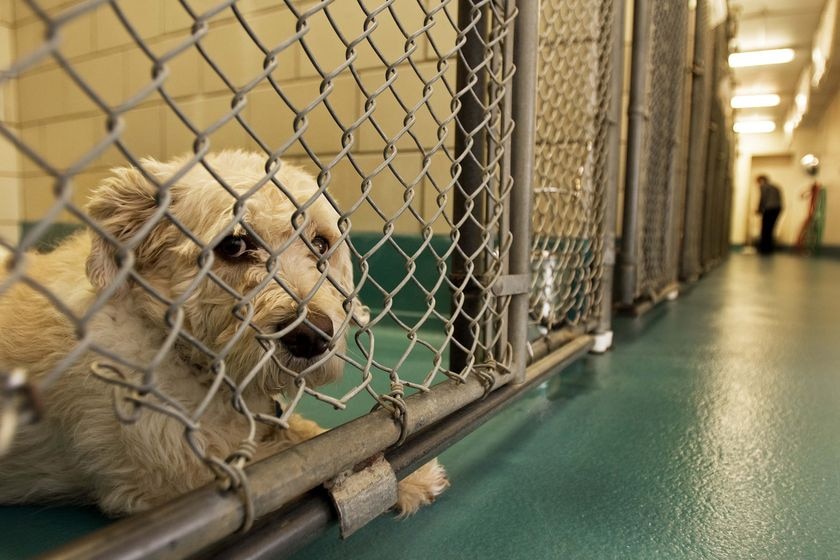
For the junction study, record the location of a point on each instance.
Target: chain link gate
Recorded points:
(652, 217)
(709, 190)
(718, 200)
(379, 138)
(572, 178)
(702, 92)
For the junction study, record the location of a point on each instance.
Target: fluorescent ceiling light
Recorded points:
(754, 127)
(760, 58)
(752, 101)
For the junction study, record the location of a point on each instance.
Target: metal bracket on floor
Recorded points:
(364, 494)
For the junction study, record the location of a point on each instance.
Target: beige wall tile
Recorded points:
(10, 199)
(65, 142)
(273, 121)
(9, 108)
(203, 113)
(77, 35)
(386, 192)
(7, 11)
(53, 93)
(142, 135)
(9, 232)
(33, 137)
(407, 95)
(184, 70)
(7, 46)
(443, 34)
(239, 58)
(106, 76)
(323, 42)
(38, 196)
(49, 94)
(176, 18)
(9, 156)
(146, 17)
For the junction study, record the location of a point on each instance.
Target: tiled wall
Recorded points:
(59, 121)
(10, 191)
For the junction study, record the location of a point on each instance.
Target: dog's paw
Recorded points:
(420, 488)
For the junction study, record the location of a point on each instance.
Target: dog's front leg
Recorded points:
(418, 489)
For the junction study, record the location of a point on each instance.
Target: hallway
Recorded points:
(711, 431)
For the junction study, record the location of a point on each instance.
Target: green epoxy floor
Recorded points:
(711, 431)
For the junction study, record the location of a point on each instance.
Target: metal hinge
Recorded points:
(363, 494)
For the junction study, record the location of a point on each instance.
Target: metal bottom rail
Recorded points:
(640, 307)
(290, 529)
(205, 516)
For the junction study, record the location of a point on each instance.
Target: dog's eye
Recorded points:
(321, 245)
(232, 247)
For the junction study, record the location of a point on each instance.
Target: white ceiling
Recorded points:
(772, 24)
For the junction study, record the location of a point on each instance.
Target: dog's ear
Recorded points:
(121, 205)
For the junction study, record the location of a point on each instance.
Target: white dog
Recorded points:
(80, 451)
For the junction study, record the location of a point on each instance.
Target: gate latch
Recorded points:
(512, 284)
(363, 495)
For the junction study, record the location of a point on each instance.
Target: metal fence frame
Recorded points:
(651, 228)
(491, 345)
(709, 191)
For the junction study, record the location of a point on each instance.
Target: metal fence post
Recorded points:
(637, 122)
(468, 213)
(698, 146)
(616, 88)
(525, 56)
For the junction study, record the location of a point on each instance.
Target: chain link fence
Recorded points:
(709, 190)
(234, 212)
(718, 200)
(654, 191)
(571, 182)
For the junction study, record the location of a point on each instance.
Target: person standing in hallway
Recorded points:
(769, 207)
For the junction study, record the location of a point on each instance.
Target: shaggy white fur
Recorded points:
(80, 451)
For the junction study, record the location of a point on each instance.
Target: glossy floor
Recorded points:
(711, 431)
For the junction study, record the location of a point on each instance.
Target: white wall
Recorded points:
(754, 158)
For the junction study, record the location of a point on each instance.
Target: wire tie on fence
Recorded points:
(395, 400)
(234, 478)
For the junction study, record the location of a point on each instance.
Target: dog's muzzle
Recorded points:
(304, 341)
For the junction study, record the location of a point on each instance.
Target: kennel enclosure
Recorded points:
(472, 150)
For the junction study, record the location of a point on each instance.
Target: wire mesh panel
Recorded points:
(653, 192)
(702, 92)
(570, 179)
(718, 173)
(264, 195)
(658, 215)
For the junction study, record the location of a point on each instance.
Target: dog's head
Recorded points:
(280, 278)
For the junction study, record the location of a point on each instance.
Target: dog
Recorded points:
(243, 304)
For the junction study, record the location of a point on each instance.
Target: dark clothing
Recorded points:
(769, 206)
(766, 245)
(771, 198)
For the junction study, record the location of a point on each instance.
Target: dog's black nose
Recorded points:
(304, 341)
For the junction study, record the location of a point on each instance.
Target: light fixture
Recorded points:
(753, 101)
(754, 127)
(760, 58)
